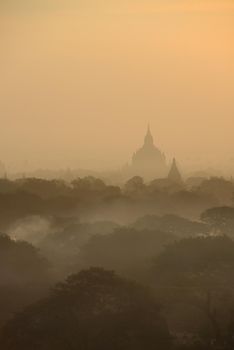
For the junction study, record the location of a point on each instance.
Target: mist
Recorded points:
(116, 175)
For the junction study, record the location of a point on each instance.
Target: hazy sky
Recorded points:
(80, 80)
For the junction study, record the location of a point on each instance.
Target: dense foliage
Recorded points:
(95, 309)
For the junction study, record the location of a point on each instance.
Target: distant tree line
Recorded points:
(32, 196)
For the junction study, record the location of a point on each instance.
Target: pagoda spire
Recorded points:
(149, 141)
(174, 174)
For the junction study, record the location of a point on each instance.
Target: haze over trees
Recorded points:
(111, 238)
(150, 264)
(25, 276)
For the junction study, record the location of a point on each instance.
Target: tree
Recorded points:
(20, 262)
(88, 184)
(93, 310)
(126, 250)
(43, 188)
(135, 186)
(24, 276)
(173, 224)
(220, 188)
(166, 185)
(220, 219)
(199, 272)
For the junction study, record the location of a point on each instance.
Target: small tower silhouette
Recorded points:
(174, 174)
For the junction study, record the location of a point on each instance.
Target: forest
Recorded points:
(88, 265)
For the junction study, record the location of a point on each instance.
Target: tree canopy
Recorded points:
(93, 310)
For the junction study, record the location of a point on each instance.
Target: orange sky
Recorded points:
(80, 80)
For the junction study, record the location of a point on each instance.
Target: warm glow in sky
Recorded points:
(80, 80)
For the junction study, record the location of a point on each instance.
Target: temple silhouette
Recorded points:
(148, 161)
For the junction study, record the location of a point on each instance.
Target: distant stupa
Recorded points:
(148, 162)
(174, 174)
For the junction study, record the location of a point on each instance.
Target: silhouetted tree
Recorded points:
(88, 184)
(93, 310)
(63, 245)
(199, 272)
(126, 250)
(220, 219)
(24, 275)
(220, 188)
(166, 185)
(43, 188)
(134, 186)
(173, 224)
